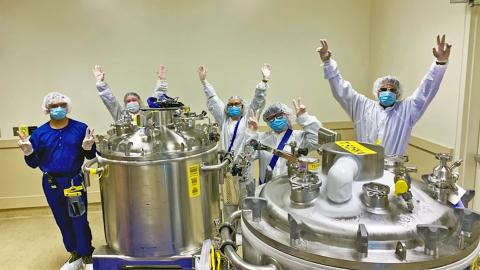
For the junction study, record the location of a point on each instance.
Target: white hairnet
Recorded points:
(236, 98)
(277, 108)
(53, 98)
(387, 80)
(133, 94)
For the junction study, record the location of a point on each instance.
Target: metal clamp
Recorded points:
(297, 228)
(362, 241)
(256, 205)
(432, 235)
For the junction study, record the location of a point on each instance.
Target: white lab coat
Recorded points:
(227, 126)
(111, 102)
(391, 127)
(306, 138)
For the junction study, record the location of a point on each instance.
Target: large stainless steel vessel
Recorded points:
(388, 222)
(156, 200)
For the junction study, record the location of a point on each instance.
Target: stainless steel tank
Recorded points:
(156, 200)
(375, 229)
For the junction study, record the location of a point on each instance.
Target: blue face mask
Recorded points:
(387, 98)
(58, 113)
(278, 125)
(234, 111)
(133, 107)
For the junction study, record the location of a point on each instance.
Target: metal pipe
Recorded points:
(216, 167)
(228, 248)
(234, 216)
(239, 263)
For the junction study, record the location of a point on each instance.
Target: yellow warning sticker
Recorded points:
(355, 148)
(313, 166)
(194, 180)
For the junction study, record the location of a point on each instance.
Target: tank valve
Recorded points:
(442, 182)
(402, 180)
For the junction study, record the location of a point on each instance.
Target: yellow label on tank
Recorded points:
(194, 180)
(313, 166)
(355, 148)
(474, 265)
(378, 142)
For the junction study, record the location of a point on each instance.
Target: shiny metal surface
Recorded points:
(375, 195)
(372, 164)
(441, 183)
(156, 200)
(328, 232)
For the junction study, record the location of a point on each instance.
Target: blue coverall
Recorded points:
(59, 153)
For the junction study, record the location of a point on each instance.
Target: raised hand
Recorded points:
(266, 70)
(162, 72)
(323, 51)
(24, 143)
(98, 73)
(442, 51)
(89, 140)
(299, 107)
(202, 73)
(252, 121)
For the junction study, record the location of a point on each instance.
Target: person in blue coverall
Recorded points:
(59, 148)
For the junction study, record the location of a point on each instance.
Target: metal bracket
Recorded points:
(432, 236)
(256, 205)
(362, 240)
(468, 219)
(401, 251)
(297, 229)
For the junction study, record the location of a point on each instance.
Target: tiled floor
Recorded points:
(30, 239)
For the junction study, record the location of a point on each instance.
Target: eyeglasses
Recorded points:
(277, 116)
(234, 103)
(383, 89)
(56, 105)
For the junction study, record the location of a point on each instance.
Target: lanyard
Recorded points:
(234, 136)
(281, 145)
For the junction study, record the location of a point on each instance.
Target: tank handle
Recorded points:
(88, 171)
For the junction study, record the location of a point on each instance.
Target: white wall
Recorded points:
(403, 33)
(52, 45)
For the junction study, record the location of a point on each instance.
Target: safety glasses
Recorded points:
(277, 116)
(383, 89)
(56, 105)
(234, 103)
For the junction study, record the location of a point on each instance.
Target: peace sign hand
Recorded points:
(323, 51)
(442, 52)
(299, 107)
(24, 143)
(252, 121)
(89, 140)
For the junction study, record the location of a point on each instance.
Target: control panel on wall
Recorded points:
(24, 129)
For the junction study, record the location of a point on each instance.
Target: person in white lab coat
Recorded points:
(131, 100)
(279, 118)
(230, 116)
(389, 120)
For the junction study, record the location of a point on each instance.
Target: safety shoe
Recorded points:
(73, 263)
(87, 263)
